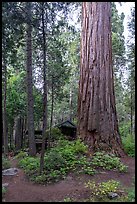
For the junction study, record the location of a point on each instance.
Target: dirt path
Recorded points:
(22, 190)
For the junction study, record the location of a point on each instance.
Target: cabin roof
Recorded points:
(66, 123)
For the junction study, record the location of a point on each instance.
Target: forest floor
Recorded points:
(20, 189)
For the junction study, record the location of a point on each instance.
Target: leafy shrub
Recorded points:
(108, 161)
(68, 199)
(84, 166)
(54, 161)
(56, 134)
(21, 155)
(39, 178)
(80, 147)
(129, 145)
(100, 190)
(4, 190)
(29, 164)
(72, 151)
(58, 161)
(131, 195)
(5, 163)
(124, 128)
(89, 170)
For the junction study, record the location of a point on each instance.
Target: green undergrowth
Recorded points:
(4, 190)
(129, 145)
(100, 192)
(21, 155)
(67, 156)
(108, 162)
(5, 163)
(131, 194)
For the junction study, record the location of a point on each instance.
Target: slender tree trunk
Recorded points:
(11, 134)
(97, 118)
(18, 133)
(52, 88)
(70, 103)
(44, 26)
(32, 144)
(2, 133)
(5, 130)
(52, 109)
(24, 131)
(131, 112)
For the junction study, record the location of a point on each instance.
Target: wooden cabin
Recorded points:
(38, 139)
(68, 128)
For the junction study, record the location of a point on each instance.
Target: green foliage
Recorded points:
(58, 161)
(80, 147)
(39, 178)
(100, 191)
(131, 195)
(5, 163)
(54, 160)
(84, 166)
(131, 192)
(124, 129)
(21, 155)
(108, 161)
(67, 199)
(4, 190)
(129, 145)
(16, 95)
(29, 164)
(65, 157)
(56, 134)
(88, 170)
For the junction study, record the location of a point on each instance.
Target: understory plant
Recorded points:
(21, 155)
(58, 161)
(131, 194)
(4, 190)
(100, 191)
(67, 156)
(108, 161)
(129, 145)
(5, 163)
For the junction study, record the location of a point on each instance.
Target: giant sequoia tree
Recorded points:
(97, 118)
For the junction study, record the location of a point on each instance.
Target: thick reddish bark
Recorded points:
(97, 118)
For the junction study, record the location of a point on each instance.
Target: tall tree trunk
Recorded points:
(52, 109)
(52, 84)
(70, 104)
(18, 133)
(5, 130)
(24, 131)
(11, 135)
(44, 26)
(97, 118)
(32, 144)
(131, 112)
